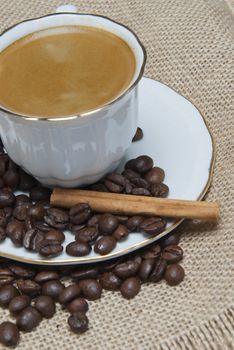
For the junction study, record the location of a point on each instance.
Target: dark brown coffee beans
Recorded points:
(84, 273)
(130, 287)
(6, 276)
(80, 213)
(45, 305)
(146, 268)
(56, 218)
(26, 181)
(21, 211)
(53, 289)
(78, 304)
(91, 289)
(69, 293)
(159, 190)
(29, 287)
(141, 164)
(9, 334)
(126, 269)
(87, 234)
(158, 271)
(78, 248)
(115, 182)
(45, 276)
(174, 274)
(15, 230)
(107, 224)
(36, 212)
(155, 175)
(55, 235)
(104, 245)
(7, 293)
(110, 281)
(19, 303)
(22, 271)
(153, 225)
(22, 199)
(153, 253)
(121, 232)
(138, 135)
(171, 239)
(78, 322)
(172, 254)
(28, 319)
(7, 198)
(49, 248)
(40, 193)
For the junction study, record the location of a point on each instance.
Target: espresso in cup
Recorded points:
(64, 71)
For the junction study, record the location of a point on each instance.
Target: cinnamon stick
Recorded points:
(104, 202)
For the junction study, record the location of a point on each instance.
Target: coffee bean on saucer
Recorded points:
(40, 193)
(172, 254)
(85, 273)
(11, 178)
(7, 293)
(6, 276)
(133, 223)
(22, 199)
(37, 240)
(115, 182)
(7, 198)
(140, 191)
(9, 334)
(78, 248)
(171, 239)
(2, 236)
(5, 216)
(28, 239)
(45, 305)
(121, 232)
(141, 164)
(130, 287)
(15, 230)
(126, 269)
(45, 276)
(19, 303)
(155, 176)
(104, 245)
(56, 218)
(55, 235)
(22, 271)
(122, 219)
(146, 268)
(153, 225)
(87, 234)
(138, 135)
(4, 160)
(174, 274)
(36, 212)
(78, 304)
(91, 289)
(158, 271)
(107, 224)
(49, 248)
(159, 190)
(110, 281)
(28, 287)
(93, 221)
(78, 322)
(53, 289)
(26, 181)
(69, 293)
(80, 213)
(28, 319)
(20, 212)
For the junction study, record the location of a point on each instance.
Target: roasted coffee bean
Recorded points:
(153, 252)
(2, 236)
(104, 245)
(22, 199)
(9, 334)
(45, 305)
(78, 322)
(85, 273)
(131, 174)
(15, 230)
(56, 218)
(115, 182)
(138, 135)
(49, 248)
(140, 191)
(78, 304)
(159, 190)
(28, 287)
(140, 183)
(122, 219)
(126, 269)
(75, 228)
(21, 211)
(53, 289)
(55, 235)
(171, 239)
(40, 193)
(94, 220)
(22, 271)
(29, 238)
(130, 287)
(141, 164)
(37, 240)
(133, 223)
(19, 303)
(174, 274)
(4, 159)
(146, 268)
(1, 183)
(172, 254)
(26, 181)
(7, 293)
(137, 259)
(45, 276)
(129, 187)
(99, 187)
(11, 179)
(5, 216)
(87, 234)
(120, 233)
(7, 198)
(91, 289)
(36, 212)
(110, 281)
(153, 225)
(6, 276)
(78, 248)
(80, 213)
(155, 175)
(69, 293)
(41, 226)
(28, 319)
(158, 271)
(107, 224)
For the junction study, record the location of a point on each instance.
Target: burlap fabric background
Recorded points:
(190, 48)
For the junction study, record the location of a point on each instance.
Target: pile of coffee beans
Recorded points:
(29, 221)
(31, 292)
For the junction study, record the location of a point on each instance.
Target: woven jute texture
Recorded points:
(190, 48)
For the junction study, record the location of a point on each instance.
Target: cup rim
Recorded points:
(88, 113)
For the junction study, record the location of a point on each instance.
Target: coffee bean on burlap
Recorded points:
(130, 287)
(126, 269)
(45, 305)
(110, 281)
(45, 276)
(158, 271)
(53, 289)
(78, 304)
(91, 289)
(174, 274)
(28, 287)
(9, 334)
(28, 319)
(172, 254)
(18, 303)
(7, 293)
(78, 322)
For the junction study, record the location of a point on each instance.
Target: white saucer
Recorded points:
(177, 138)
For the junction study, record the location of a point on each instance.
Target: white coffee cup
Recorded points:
(75, 150)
